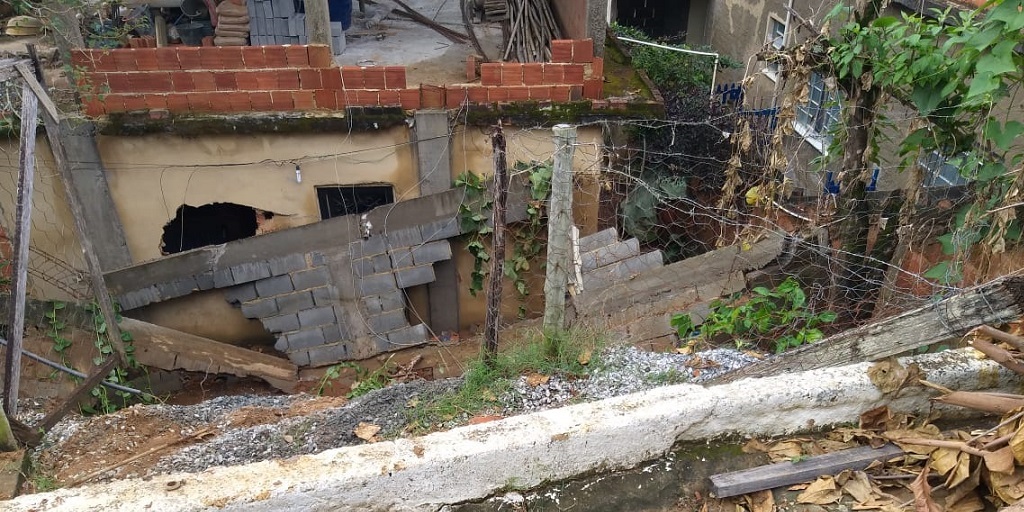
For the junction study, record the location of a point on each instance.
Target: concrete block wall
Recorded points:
(276, 22)
(297, 300)
(227, 79)
(298, 304)
(606, 260)
(384, 266)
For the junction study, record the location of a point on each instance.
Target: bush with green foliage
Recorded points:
(779, 316)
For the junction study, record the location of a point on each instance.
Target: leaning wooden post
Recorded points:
(559, 261)
(23, 227)
(498, 251)
(51, 120)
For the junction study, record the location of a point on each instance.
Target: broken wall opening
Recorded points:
(657, 18)
(210, 224)
(336, 201)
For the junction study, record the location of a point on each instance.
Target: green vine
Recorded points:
(527, 238)
(110, 400)
(474, 212)
(55, 331)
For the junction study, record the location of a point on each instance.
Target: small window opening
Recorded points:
(210, 224)
(350, 200)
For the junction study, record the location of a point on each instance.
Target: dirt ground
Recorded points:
(144, 439)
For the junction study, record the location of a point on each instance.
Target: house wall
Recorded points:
(471, 150)
(151, 176)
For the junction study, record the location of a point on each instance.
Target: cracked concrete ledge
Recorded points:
(474, 462)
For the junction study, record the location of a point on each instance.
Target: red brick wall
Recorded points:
(302, 78)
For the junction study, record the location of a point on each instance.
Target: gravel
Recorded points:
(619, 371)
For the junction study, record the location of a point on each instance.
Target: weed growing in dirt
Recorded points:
(570, 354)
(366, 380)
(667, 377)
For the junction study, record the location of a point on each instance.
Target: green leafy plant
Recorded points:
(529, 238)
(779, 316)
(111, 400)
(672, 69)
(474, 213)
(55, 331)
(365, 380)
(957, 70)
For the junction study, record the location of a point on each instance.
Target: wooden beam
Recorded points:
(994, 303)
(29, 76)
(52, 122)
(22, 231)
(70, 402)
(169, 349)
(781, 474)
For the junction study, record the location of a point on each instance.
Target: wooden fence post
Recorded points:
(559, 261)
(498, 251)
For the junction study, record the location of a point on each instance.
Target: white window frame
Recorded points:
(775, 41)
(816, 117)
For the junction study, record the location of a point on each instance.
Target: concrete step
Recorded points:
(597, 240)
(609, 254)
(620, 271)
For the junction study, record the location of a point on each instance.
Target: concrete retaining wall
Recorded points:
(471, 463)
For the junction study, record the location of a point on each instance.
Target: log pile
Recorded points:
(529, 28)
(232, 24)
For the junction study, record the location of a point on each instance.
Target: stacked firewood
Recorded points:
(232, 24)
(529, 28)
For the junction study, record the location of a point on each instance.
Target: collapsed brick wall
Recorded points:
(304, 78)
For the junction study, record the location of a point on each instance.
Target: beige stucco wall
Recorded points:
(471, 150)
(151, 176)
(56, 253)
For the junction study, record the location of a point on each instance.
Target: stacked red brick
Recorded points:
(284, 78)
(573, 74)
(231, 79)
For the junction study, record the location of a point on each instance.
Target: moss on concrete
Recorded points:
(533, 113)
(620, 78)
(354, 119)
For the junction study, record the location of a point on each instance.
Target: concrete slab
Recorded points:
(473, 462)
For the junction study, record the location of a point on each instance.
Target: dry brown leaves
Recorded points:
(952, 471)
(367, 432)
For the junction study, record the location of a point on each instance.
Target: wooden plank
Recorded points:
(30, 79)
(169, 349)
(71, 402)
(994, 303)
(781, 474)
(22, 231)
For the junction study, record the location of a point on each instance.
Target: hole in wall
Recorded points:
(211, 224)
(657, 18)
(336, 201)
